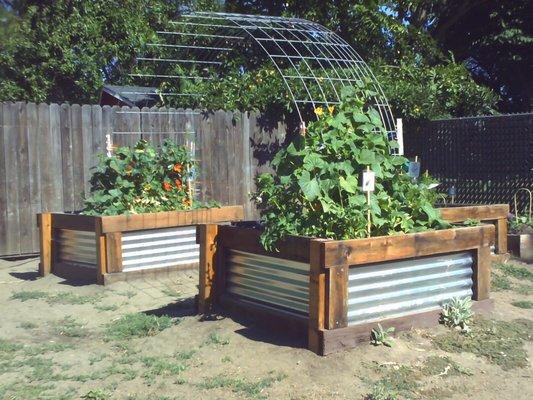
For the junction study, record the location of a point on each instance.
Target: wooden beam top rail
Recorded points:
(384, 248)
(134, 222)
(295, 248)
(483, 213)
(75, 222)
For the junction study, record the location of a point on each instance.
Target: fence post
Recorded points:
(44, 221)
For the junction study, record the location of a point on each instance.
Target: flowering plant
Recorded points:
(141, 180)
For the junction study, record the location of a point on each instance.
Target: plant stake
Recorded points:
(369, 179)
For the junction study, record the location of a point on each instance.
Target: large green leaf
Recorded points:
(309, 186)
(349, 183)
(366, 157)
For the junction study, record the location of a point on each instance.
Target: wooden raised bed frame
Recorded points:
(495, 214)
(326, 325)
(108, 233)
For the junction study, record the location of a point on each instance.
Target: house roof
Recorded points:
(133, 96)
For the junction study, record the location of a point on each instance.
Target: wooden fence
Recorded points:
(47, 151)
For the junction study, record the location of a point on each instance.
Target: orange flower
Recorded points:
(187, 201)
(178, 183)
(177, 167)
(167, 186)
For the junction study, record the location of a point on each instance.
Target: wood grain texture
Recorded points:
(295, 248)
(501, 236)
(114, 252)
(317, 295)
(385, 248)
(132, 222)
(101, 253)
(337, 297)
(76, 222)
(482, 274)
(45, 243)
(483, 213)
(207, 239)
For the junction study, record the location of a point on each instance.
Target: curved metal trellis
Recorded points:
(313, 62)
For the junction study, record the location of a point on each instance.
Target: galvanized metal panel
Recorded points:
(277, 282)
(393, 289)
(75, 247)
(157, 248)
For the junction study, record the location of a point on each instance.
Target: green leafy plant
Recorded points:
(471, 222)
(382, 336)
(137, 325)
(141, 179)
(457, 313)
(315, 191)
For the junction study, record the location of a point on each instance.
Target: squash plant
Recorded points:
(316, 187)
(141, 179)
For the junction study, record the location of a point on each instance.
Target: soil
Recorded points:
(54, 345)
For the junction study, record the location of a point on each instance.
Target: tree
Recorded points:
(64, 50)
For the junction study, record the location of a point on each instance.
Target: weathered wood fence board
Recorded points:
(47, 152)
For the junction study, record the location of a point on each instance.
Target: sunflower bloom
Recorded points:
(319, 111)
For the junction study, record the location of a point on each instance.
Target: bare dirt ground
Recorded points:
(60, 340)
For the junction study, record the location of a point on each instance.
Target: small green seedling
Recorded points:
(472, 222)
(457, 313)
(382, 336)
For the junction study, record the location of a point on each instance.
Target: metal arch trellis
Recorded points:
(313, 62)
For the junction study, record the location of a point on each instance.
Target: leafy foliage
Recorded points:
(141, 180)
(457, 313)
(382, 336)
(315, 190)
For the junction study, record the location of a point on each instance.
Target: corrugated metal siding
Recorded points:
(76, 247)
(274, 281)
(157, 248)
(393, 289)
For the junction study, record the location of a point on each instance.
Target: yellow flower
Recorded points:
(331, 109)
(319, 111)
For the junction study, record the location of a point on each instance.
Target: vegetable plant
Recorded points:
(141, 179)
(457, 313)
(315, 190)
(382, 336)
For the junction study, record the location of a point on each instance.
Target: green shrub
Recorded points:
(141, 180)
(316, 192)
(382, 336)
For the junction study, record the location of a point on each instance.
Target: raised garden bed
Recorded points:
(336, 291)
(493, 213)
(118, 247)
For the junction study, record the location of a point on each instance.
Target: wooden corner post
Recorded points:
(501, 236)
(44, 221)
(101, 252)
(207, 239)
(317, 296)
(481, 276)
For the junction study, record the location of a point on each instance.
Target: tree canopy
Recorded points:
(433, 58)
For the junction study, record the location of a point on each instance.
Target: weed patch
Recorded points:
(216, 339)
(137, 325)
(69, 327)
(525, 289)
(518, 272)
(523, 304)
(500, 283)
(25, 295)
(440, 366)
(242, 386)
(498, 341)
(73, 298)
(108, 307)
(27, 325)
(156, 366)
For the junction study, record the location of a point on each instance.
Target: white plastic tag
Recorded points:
(369, 179)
